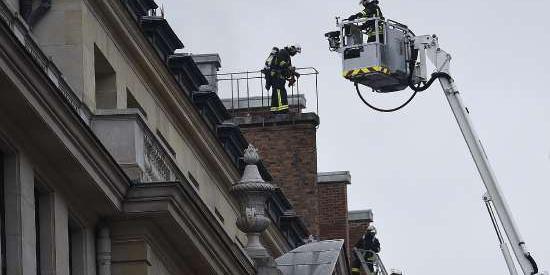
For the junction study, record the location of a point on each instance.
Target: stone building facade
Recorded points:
(113, 158)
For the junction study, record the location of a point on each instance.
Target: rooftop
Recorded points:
(317, 258)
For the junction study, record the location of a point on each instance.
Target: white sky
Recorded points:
(413, 167)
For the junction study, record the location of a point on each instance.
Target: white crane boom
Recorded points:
(441, 60)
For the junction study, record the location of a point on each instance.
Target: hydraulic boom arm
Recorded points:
(428, 46)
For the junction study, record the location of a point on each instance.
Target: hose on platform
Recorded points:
(416, 89)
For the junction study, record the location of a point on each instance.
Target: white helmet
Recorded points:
(364, 2)
(295, 47)
(372, 229)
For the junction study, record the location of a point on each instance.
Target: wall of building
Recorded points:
(62, 184)
(42, 232)
(137, 257)
(60, 35)
(73, 35)
(290, 154)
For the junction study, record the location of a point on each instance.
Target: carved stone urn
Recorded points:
(252, 192)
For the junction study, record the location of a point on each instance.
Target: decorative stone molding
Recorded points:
(252, 193)
(137, 150)
(157, 165)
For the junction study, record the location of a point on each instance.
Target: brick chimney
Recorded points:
(288, 146)
(333, 205)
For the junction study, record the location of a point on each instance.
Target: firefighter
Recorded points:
(371, 247)
(278, 70)
(372, 10)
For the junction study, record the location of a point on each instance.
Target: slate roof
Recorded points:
(317, 258)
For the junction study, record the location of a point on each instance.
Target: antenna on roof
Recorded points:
(162, 10)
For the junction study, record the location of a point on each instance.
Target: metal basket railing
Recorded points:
(378, 266)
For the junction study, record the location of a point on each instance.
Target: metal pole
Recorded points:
(232, 97)
(262, 88)
(248, 92)
(480, 158)
(502, 243)
(291, 98)
(238, 94)
(317, 93)
(298, 94)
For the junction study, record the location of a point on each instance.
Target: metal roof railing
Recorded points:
(244, 92)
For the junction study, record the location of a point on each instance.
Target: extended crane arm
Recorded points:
(428, 47)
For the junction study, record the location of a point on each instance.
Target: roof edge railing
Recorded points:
(244, 92)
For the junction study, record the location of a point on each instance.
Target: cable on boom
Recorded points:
(533, 263)
(416, 90)
(380, 109)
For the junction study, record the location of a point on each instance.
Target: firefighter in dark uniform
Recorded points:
(371, 246)
(278, 70)
(372, 10)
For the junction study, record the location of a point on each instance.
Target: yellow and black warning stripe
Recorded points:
(359, 72)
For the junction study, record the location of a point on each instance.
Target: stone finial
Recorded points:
(251, 156)
(252, 193)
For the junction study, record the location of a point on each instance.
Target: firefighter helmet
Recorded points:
(295, 48)
(364, 2)
(371, 229)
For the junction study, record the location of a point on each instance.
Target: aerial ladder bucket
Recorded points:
(379, 60)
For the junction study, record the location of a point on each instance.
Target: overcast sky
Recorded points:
(413, 167)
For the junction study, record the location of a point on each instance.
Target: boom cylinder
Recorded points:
(479, 155)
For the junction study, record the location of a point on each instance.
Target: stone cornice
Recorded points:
(174, 201)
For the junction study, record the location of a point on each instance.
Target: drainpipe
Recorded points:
(103, 251)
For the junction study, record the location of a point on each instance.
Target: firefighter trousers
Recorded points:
(279, 97)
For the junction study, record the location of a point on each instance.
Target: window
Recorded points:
(37, 226)
(105, 82)
(43, 226)
(132, 103)
(77, 244)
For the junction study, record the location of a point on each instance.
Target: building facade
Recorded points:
(113, 159)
